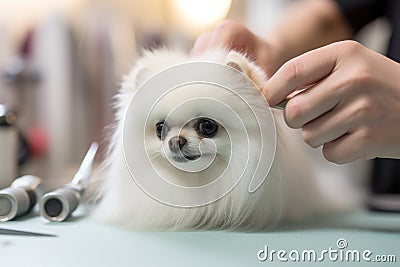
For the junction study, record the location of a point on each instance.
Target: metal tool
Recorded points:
(9, 147)
(20, 197)
(57, 205)
(4, 231)
(282, 105)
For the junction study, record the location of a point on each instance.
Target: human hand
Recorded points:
(234, 35)
(352, 106)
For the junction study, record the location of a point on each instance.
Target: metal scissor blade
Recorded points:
(86, 167)
(282, 105)
(4, 231)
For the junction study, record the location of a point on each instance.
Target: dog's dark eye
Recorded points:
(207, 127)
(159, 129)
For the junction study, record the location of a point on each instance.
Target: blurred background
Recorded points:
(61, 62)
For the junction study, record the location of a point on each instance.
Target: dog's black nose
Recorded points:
(176, 143)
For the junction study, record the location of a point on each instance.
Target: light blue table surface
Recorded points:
(84, 242)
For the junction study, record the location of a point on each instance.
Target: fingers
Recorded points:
(228, 34)
(300, 72)
(221, 36)
(201, 43)
(328, 127)
(312, 102)
(345, 149)
(341, 108)
(327, 119)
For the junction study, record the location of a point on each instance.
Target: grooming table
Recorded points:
(81, 241)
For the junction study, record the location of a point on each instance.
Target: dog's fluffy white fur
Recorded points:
(301, 183)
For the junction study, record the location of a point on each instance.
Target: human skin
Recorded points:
(351, 105)
(306, 25)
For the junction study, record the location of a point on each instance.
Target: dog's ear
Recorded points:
(238, 62)
(135, 78)
(141, 76)
(241, 63)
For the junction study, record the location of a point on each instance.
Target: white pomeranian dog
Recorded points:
(300, 183)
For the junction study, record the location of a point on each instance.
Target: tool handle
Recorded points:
(13, 203)
(58, 205)
(20, 197)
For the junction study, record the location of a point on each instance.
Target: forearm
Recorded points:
(307, 25)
